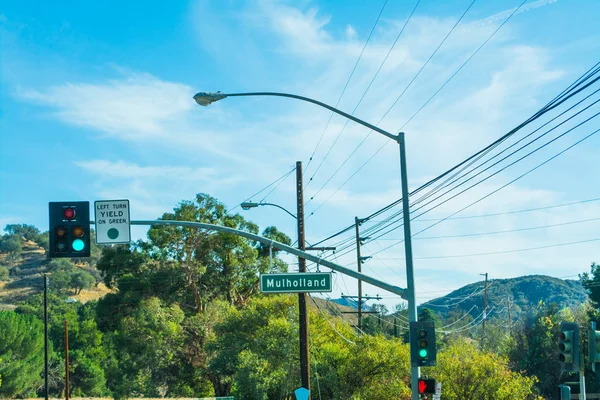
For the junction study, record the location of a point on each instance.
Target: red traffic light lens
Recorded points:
(78, 231)
(60, 231)
(69, 213)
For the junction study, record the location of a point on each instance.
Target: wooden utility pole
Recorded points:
(359, 264)
(304, 354)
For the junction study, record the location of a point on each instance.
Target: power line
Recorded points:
(345, 87)
(276, 186)
(465, 63)
(358, 104)
(447, 81)
(504, 251)
(503, 231)
(561, 98)
(489, 176)
(397, 214)
(266, 187)
(505, 185)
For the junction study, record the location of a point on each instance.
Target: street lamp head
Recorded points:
(206, 98)
(248, 205)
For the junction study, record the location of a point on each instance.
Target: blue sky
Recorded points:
(96, 103)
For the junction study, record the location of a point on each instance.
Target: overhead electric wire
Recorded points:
(503, 231)
(448, 182)
(397, 215)
(503, 251)
(447, 81)
(560, 99)
(359, 102)
(266, 187)
(276, 186)
(392, 106)
(345, 87)
(545, 109)
(465, 63)
(505, 185)
(489, 176)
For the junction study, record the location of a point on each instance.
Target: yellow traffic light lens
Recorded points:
(78, 231)
(422, 343)
(60, 231)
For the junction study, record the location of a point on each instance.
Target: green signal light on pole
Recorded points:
(78, 245)
(423, 353)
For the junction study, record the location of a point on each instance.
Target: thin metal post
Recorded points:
(410, 279)
(509, 320)
(359, 264)
(304, 355)
(582, 375)
(484, 308)
(67, 386)
(45, 337)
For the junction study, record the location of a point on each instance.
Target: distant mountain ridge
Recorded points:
(521, 293)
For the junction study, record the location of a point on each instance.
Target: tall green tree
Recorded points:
(470, 374)
(148, 346)
(21, 349)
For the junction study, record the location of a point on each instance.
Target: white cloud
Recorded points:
(138, 104)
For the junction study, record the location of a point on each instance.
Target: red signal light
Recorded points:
(69, 213)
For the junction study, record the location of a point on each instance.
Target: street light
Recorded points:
(206, 98)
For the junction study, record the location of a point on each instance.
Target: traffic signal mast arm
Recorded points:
(292, 250)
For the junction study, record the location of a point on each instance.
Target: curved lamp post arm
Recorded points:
(206, 98)
(278, 206)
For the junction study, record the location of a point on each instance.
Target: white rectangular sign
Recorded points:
(438, 391)
(113, 225)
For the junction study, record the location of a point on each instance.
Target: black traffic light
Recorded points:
(594, 347)
(422, 344)
(426, 386)
(69, 229)
(568, 344)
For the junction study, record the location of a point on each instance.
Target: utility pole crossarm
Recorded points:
(278, 245)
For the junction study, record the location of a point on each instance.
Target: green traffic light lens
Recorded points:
(423, 353)
(78, 245)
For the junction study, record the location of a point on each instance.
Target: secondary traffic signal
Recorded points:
(69, 229)
(594, 347)
(564, 392)
(422, 344)
(426, 386)
(569, 346)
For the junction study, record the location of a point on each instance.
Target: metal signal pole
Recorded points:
(45, 337)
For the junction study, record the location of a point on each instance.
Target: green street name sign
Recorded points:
(301, 282)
